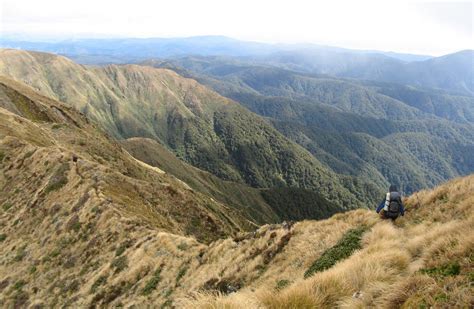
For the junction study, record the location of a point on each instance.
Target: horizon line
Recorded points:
(45, 38)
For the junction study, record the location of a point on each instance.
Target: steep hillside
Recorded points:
(51, 154)
(259, 205)
(355, 128)
(83, 224)
(200, 126)
(358, 260)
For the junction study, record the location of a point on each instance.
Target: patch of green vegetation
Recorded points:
(445, 270)
(471, 278)
(2, 155)
(153, 282)
(182, 246)
(181, 272)
(299, 204)
(6, 206)
(56, 126)
(119, 264)
(55, 253)
(123, 246)
(3, 237)
(20, 254)
(32, 269)
(58, 180)
(29, 154)
(19, 285)
(261, 269)
(76, 226)
(168, 293)
(281, 284)
(167, 304)
(64, 242)
(100, 281)
(349, 243)
(442, 297)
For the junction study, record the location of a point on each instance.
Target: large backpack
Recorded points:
(394, 205)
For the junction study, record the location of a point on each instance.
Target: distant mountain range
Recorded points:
(380, 131)
(126, 50)
(451, 72)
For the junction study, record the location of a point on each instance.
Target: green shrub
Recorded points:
(182, 271)
(119, 263)
(7, 206)
(441, 297)
(32, 269)
(123, 246)
(167, 304)
(19, 285)
(100, 281)
(29, 154)
(349, 243)
(153, 282)
(56, 252)
(58, 180)
(182, 246)
(281, 284)
(446, 270)
(20, 254)
(2, 155)
(76, 226)
(3, 237)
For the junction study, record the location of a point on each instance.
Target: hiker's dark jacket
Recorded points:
(380, 207)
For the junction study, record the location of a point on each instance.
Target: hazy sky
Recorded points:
(434, 27)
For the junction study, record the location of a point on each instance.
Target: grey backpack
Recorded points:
(393, 205)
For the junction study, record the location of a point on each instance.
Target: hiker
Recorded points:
(392, 205)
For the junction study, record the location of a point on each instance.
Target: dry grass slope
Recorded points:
(423, 260)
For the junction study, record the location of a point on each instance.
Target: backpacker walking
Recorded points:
(392, 206)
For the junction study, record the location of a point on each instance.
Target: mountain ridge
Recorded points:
(330, 121)
(200, 126)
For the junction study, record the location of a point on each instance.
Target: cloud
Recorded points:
(457, 15)
(433, 28)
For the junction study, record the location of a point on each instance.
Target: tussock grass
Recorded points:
(422, 260)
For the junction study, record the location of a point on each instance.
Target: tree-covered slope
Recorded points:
(344, 123)
(259, 205)
(453, 72)
(205, 129)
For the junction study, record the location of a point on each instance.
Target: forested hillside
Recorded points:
(384, 132)
(200, 126)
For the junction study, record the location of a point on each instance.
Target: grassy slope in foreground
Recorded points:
(423, 260)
